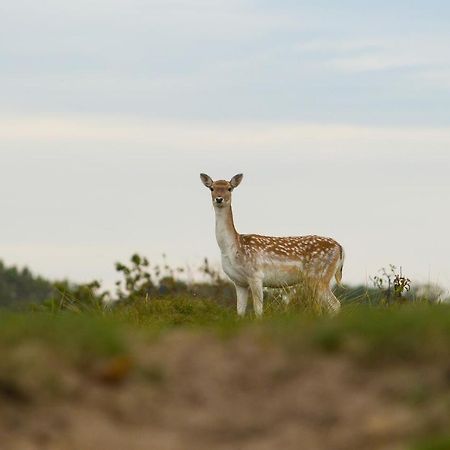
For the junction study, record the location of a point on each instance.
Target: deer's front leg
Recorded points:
(242, 297)
(256, 287)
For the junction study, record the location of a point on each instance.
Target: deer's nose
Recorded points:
(219, 199)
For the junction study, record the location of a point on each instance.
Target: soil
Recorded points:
(192, 391)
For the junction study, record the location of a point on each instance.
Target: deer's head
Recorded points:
(221, 189)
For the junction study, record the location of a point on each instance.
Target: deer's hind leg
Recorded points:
(330, 301)
(256, 286)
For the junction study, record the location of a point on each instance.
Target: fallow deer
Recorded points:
(253, 261)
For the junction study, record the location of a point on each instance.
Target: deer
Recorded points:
(253, 262)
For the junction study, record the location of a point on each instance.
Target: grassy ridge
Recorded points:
(58, 354)
(102, 343)
(401, 331)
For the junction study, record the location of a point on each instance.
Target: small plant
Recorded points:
(75, 297)
(137, 282)
(392, 284)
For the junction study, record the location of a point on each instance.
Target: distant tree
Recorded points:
(19, 287)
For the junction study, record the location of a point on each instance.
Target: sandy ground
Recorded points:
(195, 392)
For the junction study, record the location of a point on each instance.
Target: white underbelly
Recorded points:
(279, 276)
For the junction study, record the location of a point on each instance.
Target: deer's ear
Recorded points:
(206, 180)
(236, 180)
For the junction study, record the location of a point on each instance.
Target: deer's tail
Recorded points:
(340, 266)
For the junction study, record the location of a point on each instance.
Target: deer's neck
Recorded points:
(226, 234)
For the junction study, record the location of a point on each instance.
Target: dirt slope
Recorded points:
(195, 391)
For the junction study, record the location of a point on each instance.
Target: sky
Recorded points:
(337, 113)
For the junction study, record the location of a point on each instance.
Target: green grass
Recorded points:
(54, 351)
(402, 332)
(76, 336)
(440, 442)
(38, 349)
(38, 346)
(165, 314)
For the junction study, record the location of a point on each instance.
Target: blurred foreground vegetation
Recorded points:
(59, 340)
(408, 332)
(55, 355)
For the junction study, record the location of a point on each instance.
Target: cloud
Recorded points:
(371, 63)
(238, 59)
(327, 46)
(205, 135)
(378, 54)
(437, 77)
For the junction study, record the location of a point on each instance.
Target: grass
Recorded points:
(54, 352)
(36, 343)
(402, 332)
(100, 343)
(76, 336)
(440, 442)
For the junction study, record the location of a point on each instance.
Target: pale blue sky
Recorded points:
(361, 62)
(336, 112)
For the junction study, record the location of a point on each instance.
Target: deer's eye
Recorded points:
(229, 189)
(211, 189)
